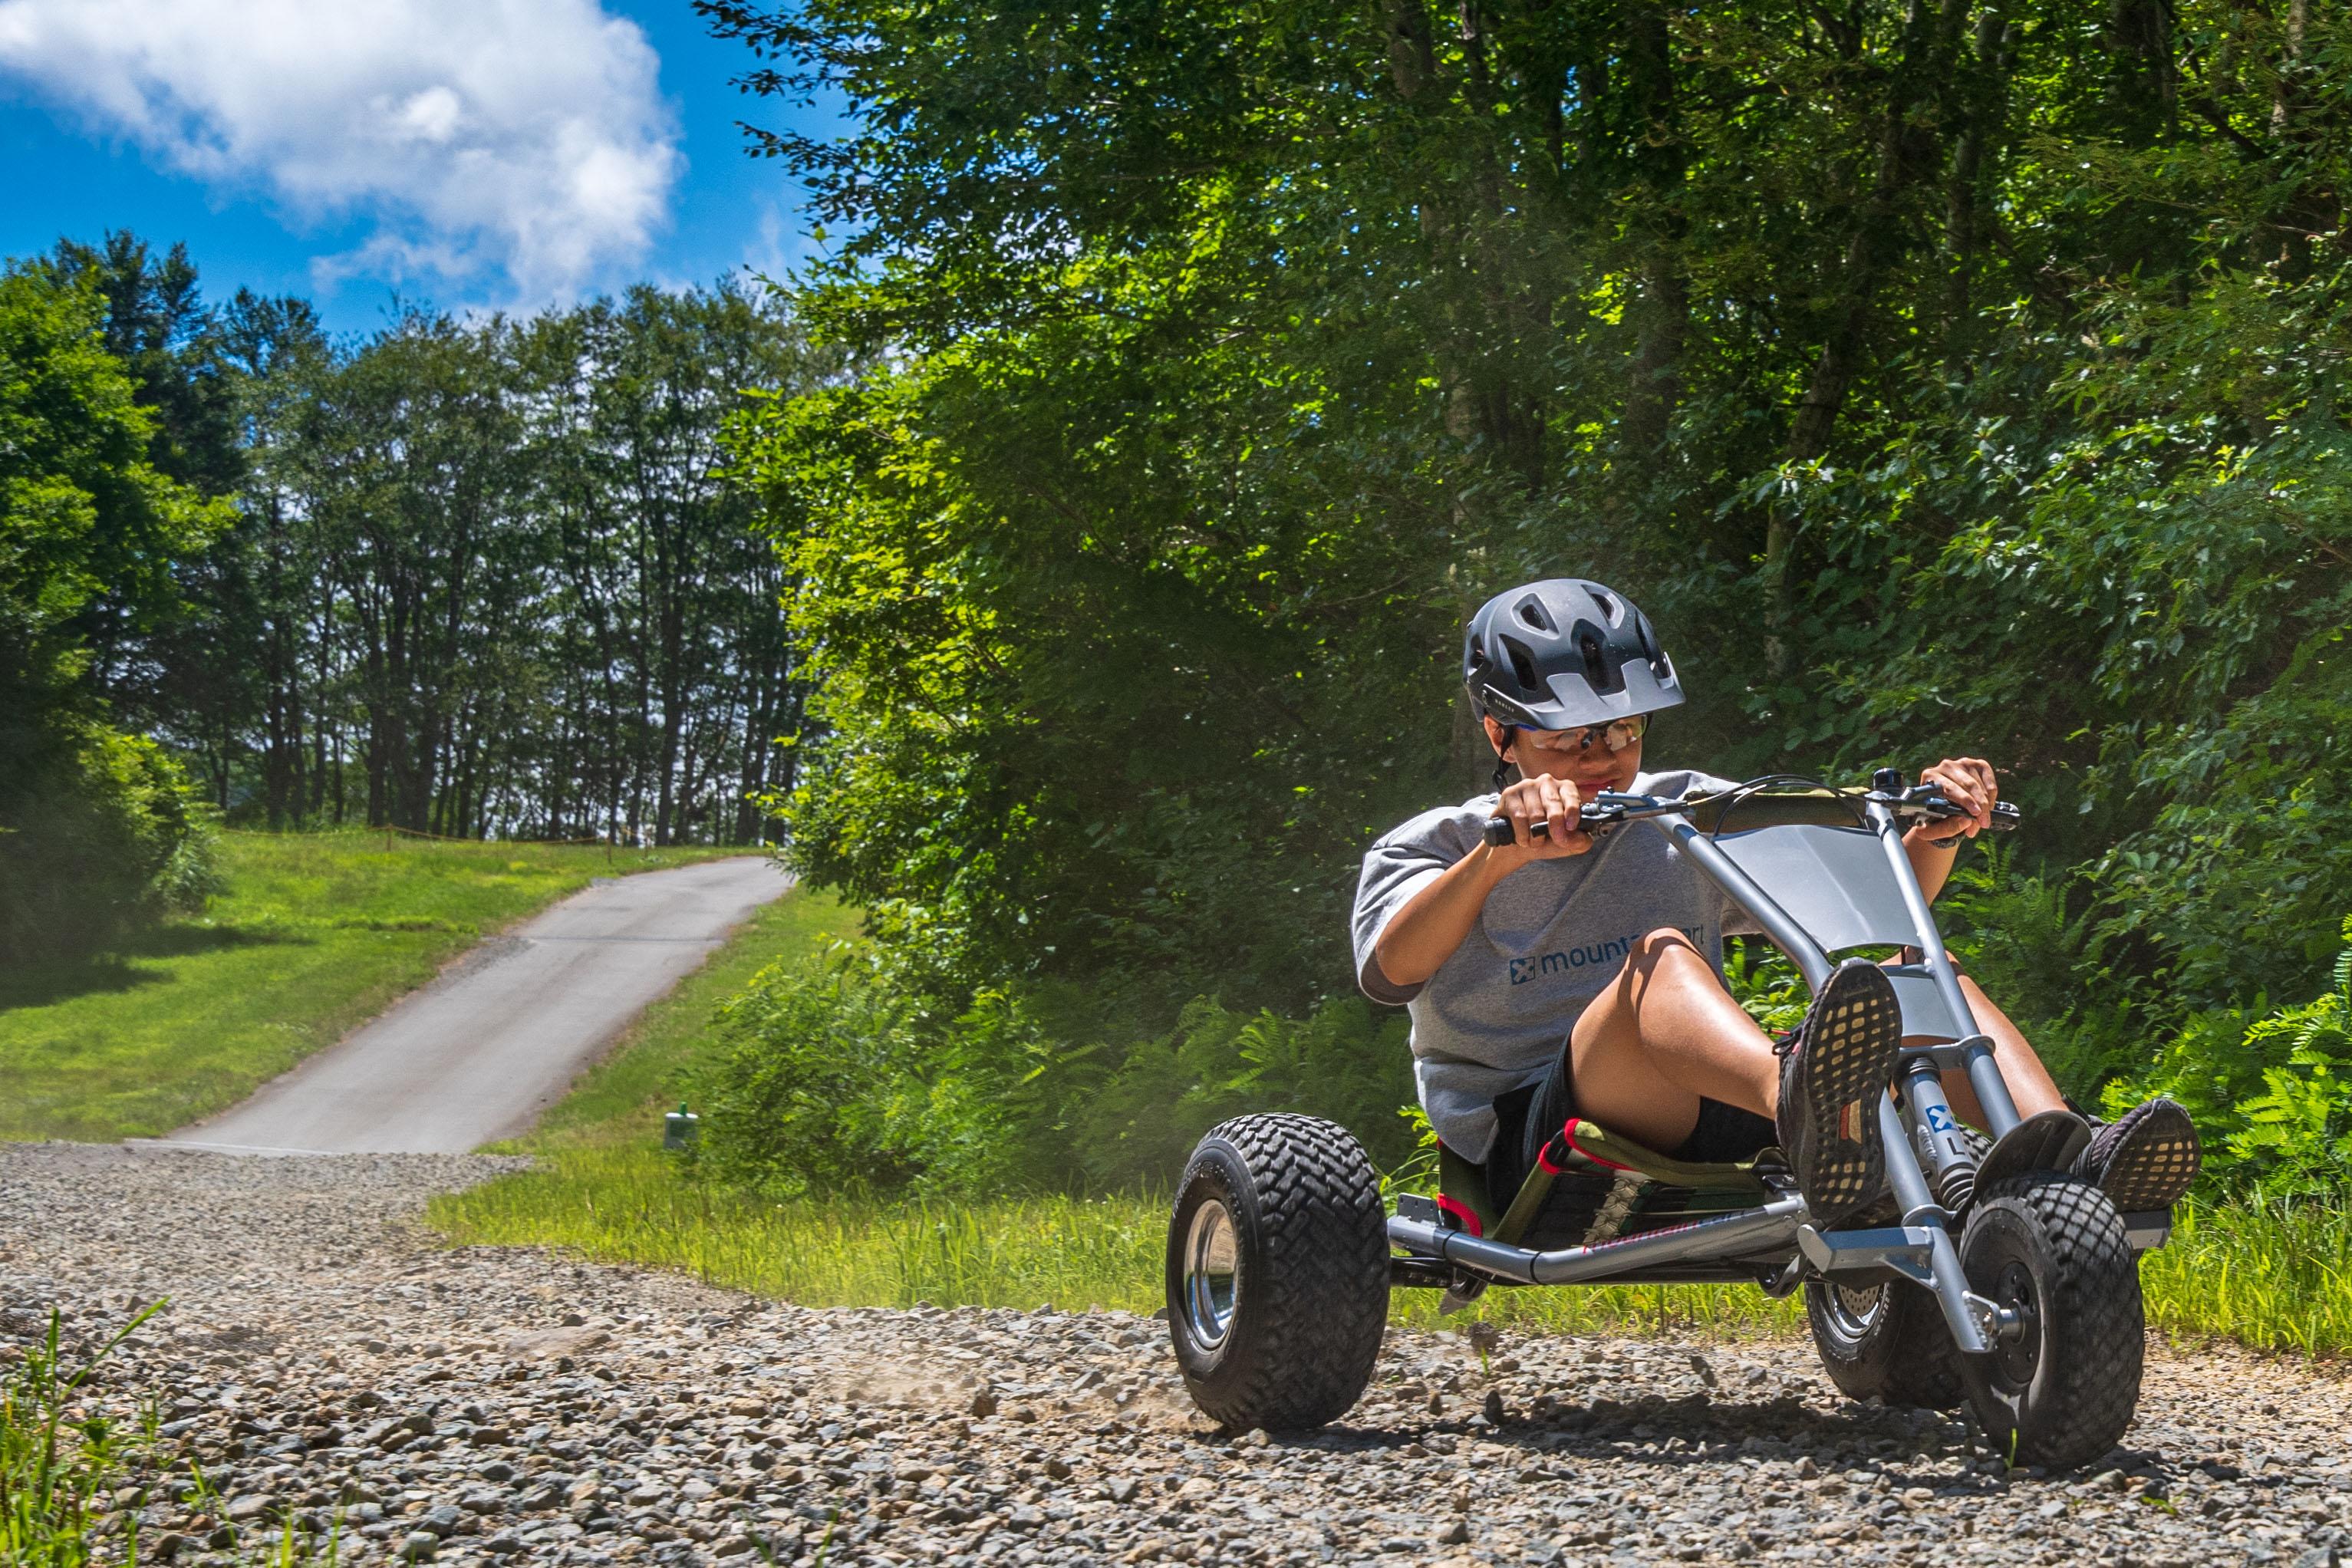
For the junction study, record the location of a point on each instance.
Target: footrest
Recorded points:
(1907, 1249)
(2147, 1229)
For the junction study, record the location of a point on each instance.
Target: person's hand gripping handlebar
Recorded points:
(1539, 818)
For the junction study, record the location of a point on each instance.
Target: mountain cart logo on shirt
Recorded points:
(1535, 966)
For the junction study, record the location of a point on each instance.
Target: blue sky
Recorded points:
(474, 154)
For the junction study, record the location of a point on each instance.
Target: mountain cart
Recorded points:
(1988, 1276)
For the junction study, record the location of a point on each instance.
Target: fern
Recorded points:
(2295, 1137)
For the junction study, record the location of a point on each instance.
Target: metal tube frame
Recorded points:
(1984, 1072)
(1930, 1142)
(1765, 1232)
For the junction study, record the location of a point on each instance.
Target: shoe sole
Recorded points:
(2153, 1164)
(1848, 1056)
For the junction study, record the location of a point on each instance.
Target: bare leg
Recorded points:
(1663, 1033)
(2029, 1081)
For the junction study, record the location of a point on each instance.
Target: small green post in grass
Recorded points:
(681, 1128)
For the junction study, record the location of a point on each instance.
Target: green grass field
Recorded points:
(316, 934)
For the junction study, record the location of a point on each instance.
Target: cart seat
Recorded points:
(1592, 1186)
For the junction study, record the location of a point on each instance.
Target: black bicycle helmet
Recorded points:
(1563, 653)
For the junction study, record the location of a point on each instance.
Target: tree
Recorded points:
(1920, 367)
(92, 821)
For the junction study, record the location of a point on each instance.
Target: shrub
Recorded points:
(2043, 962)
(99, 830)
(2271, 1091)
(802, 1100)
(1348, 1062)
(838, 1078)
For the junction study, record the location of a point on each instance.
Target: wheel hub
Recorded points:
(2017, 1346)
(1856, 1307)
(1212, 1266)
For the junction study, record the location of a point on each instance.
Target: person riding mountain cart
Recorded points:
(1607, 1113)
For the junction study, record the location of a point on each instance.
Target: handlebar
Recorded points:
(1745, 811)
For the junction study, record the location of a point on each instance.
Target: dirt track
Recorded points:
(330, 1369)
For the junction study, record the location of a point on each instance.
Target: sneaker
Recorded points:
(1832, 1070)
(2145, 1159)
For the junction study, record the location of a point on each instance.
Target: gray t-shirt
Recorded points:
(1552, 935)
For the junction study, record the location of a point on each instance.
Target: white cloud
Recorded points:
(525, 136)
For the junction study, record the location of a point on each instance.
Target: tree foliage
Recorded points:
(1938, 375)
(482, 576)
(1941, 377)
(94, 826)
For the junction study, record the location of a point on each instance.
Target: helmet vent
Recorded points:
(1597, 671)
(1610, 609)
(1532, 612)
(1523, 666)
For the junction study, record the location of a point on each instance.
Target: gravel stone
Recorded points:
(325, 1362)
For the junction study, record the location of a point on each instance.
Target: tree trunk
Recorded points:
(1661, 311)
(1904, 155)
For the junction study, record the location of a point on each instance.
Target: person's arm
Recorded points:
(1420, 937)
(1968, 782)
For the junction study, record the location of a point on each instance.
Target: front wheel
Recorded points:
(1277, 1272)
(2063, 1379)
(1887, 1339)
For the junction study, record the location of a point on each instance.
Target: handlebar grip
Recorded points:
(2005, 818)
(1498, 833)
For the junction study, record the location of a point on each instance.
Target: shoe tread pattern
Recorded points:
(1323, 1291)
(1851, 1041)
(2147, 1159)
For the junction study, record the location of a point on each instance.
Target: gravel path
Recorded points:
(321, 1358)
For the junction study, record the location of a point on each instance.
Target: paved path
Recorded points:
(478, 1054)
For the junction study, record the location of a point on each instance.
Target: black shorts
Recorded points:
(1526, 1117)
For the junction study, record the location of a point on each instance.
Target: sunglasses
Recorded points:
(1616, 735)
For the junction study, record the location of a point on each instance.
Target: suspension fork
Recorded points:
(1934, 1137)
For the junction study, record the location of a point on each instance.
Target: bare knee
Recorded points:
(1664, 941)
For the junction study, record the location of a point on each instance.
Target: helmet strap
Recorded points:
(1503, 763)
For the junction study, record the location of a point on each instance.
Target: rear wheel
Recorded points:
(1277, 1272)
(1888, 1341)
(2063, 1379)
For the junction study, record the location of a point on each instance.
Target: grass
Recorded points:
(628, 1203)
(58, 1464)
(2276, 1275)
(316, 934)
